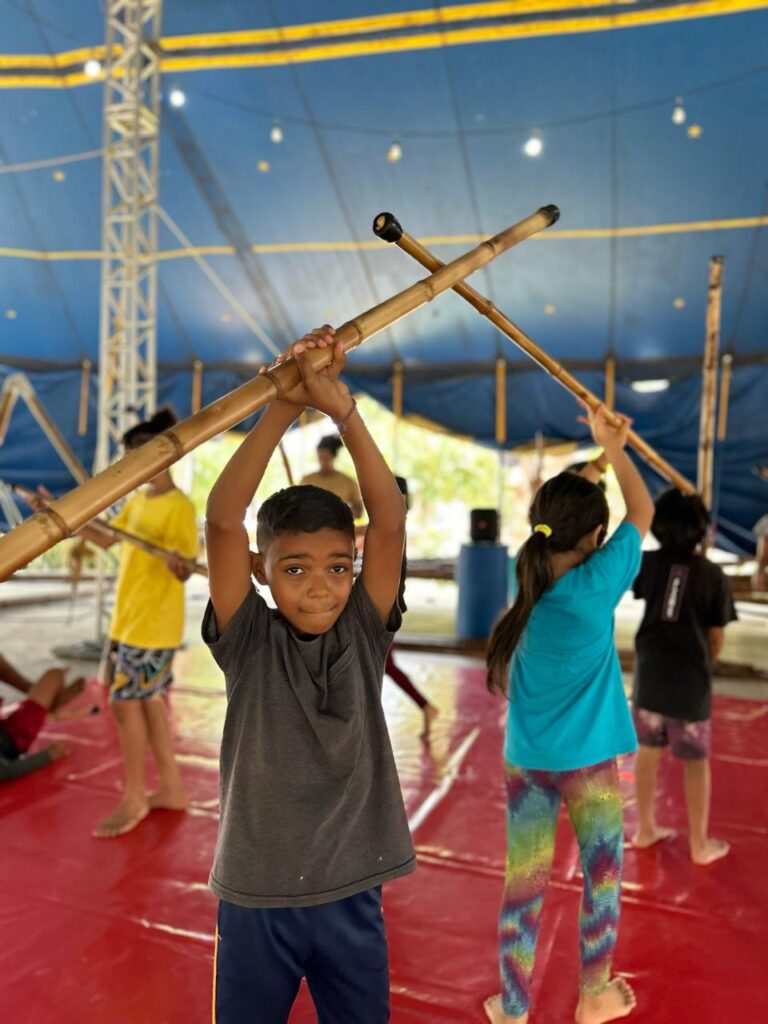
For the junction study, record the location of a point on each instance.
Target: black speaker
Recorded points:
(484, 525)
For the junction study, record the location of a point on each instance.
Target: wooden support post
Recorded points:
(709, 381)
(726, 364)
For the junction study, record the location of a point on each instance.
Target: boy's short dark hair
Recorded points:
(680, 521)
(302, 509)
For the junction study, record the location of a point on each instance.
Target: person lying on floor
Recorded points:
(19, 729)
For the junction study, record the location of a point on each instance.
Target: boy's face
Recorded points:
(310, 576)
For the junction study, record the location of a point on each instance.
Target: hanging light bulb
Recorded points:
(177, 98)
(92, 68)
(276, 134)
(678, 113)
(533, 146)
(395, 152)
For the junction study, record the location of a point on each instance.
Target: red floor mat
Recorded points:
(121, 932)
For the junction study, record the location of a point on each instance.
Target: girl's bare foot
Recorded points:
(430, 713)
(709, 852)
(643, 840)
(615, 1001)
(496, 1015)
(168, 799)
(125, 817)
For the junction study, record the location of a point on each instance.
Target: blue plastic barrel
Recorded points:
(482, 577)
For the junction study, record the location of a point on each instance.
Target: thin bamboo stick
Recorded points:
(68, 513)
(115, 534)
(286, 464)
(197, 385)
(706, 460)
(610, 382)
(397, 389)
(725, 394)
(85, 379)
(501, 401)
(387, 227)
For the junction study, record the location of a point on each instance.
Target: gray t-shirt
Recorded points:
(311, 808)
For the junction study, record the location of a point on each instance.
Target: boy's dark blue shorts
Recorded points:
(340, 947)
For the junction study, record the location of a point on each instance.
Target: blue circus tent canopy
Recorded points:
(645, 202)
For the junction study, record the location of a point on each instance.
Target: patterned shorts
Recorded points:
(690, 741)
(138, 673)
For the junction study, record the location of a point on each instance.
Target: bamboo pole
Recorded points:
(501, 401)
(286, 463)
(85, 379)
(387, 227)
(68, 513)
(709, 381)
(725, 394)
(18, 385)
(115, 534)
(197, 385)
(610, 382)
(397, 389)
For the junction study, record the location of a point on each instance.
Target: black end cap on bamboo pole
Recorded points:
(554, 213)
(387, 227)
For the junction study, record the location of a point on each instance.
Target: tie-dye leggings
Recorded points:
(593, 801)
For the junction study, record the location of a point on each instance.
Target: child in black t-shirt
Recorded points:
(688, 605)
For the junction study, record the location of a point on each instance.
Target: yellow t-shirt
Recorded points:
(343, 486)
(149, 601)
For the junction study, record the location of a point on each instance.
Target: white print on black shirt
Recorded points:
(673, 599)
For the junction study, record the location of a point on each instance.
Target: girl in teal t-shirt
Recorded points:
(553, 655)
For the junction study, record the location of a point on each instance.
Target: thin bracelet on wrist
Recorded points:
(341, 425)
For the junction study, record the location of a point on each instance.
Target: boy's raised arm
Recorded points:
(385, 536)
(229, 563)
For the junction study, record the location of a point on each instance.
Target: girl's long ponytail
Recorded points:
(564, 511)
(534, 576)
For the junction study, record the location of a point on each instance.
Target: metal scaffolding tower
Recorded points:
(127, 343)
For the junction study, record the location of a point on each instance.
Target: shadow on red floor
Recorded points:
(121, 931)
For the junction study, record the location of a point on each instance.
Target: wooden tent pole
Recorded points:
(709, 381)
(65, 515)
(725, 394)
(387, 227)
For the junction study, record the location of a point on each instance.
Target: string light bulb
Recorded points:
(678, 112)
(395, 152)
(92, 68)
(276, 134)
(533, 145)
(177, 98)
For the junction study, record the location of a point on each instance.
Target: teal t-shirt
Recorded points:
(567, 707)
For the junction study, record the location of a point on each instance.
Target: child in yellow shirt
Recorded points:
(146, 629)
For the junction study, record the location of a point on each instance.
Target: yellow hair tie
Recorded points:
(543, 528)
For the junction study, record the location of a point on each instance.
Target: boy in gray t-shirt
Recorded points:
(312, 818)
